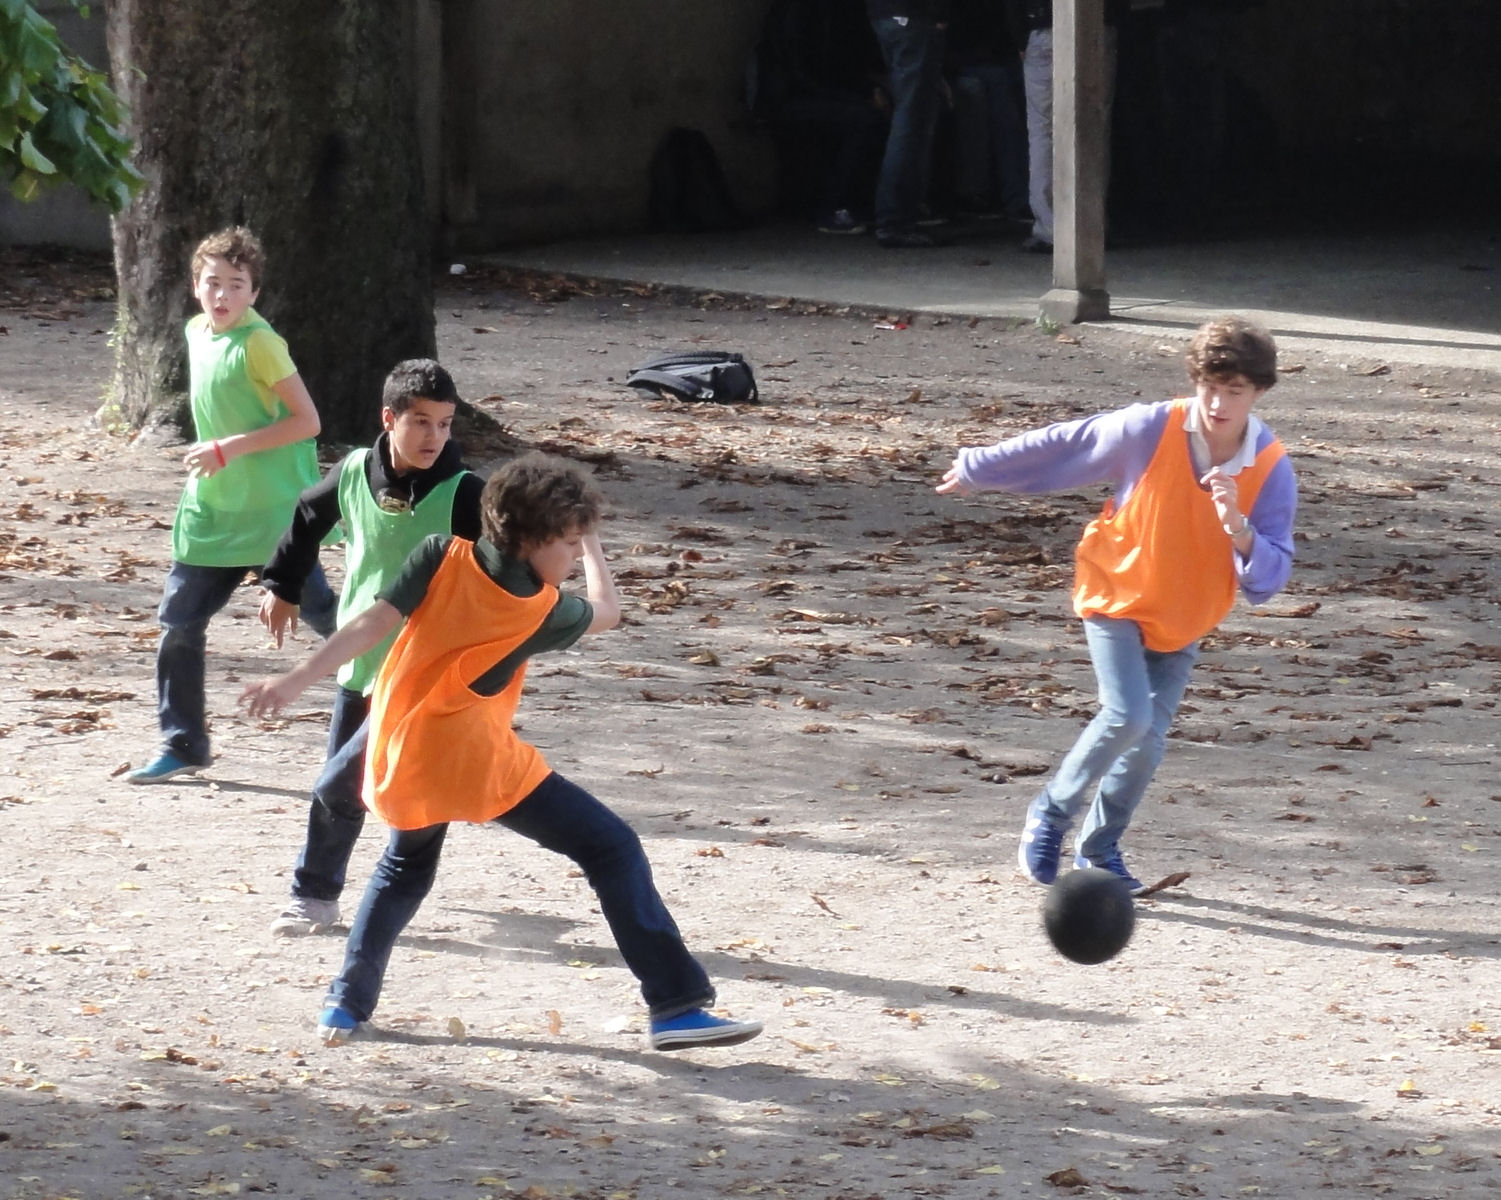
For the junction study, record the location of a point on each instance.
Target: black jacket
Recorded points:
(318, 512)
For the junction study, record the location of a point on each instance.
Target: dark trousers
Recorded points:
(558, 816)
(191, 597)
(913, 50)
(336, 813)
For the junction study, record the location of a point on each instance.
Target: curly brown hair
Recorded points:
(236, 245)
(536, 498)
(1232, 346)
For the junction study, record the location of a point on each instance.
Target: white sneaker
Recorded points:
(304, 916)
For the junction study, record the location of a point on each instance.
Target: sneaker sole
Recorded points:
(703, 1037)
(164, 777)
(304, 928)
(334, 1035)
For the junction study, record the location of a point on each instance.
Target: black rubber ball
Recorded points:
(1089, 915)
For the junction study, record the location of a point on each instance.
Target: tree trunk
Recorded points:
(298, 119)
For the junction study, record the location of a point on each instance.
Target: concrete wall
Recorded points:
(63, 215)
(569, 98)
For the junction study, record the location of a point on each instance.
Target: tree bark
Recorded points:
(298, 119)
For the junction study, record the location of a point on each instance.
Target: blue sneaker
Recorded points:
(698, 1028)
(1040, 849)
(337, 1025)
(165, 766)
(1116, 865)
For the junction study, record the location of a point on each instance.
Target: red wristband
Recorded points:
(219, 454)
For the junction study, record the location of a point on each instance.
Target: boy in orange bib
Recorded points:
(442, 747)
(1203, 506)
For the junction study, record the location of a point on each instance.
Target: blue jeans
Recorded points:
(1117, 754)
(336, 813)
(558, 816)
(190, 598)
(913, 51)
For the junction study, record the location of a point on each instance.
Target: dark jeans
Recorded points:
(991, 128)
(190, 598)
(336, 813)
(913, 50)
(562, 817)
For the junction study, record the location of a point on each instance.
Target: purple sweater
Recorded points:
(1115, 448)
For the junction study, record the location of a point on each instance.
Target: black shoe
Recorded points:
(1035, 245)
(906, 239)
(842, 221)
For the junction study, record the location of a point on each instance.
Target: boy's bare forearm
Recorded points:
(599, 584)
(363, 633)
(300, 423)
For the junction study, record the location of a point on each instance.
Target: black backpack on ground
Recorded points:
(697, 375)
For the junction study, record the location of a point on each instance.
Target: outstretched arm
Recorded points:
(365, 632)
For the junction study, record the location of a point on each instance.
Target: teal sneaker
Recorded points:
(337, 1025)
(165, 766)
(698, 1028)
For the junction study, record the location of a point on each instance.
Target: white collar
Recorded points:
(1243, 458)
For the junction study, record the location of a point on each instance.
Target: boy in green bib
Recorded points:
(389, 497)
(255, 424)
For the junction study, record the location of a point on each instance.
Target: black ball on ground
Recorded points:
(1089, 915)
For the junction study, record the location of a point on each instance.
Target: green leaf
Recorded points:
(59, 118)
(37, 47)
(33, 159)
(26, 187)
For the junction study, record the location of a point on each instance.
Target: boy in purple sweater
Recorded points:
(1202, 507)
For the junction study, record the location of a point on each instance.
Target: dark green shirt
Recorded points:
(568, 621)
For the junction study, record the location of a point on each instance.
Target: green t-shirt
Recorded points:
(235, 517)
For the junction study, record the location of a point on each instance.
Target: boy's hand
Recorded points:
(205, 459)
(953, 484)
(1226, 496)
(270, 696)
(278, 616)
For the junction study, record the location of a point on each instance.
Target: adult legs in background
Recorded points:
(913, 52)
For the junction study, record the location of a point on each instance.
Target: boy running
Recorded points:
(255, 424)
(442, 748)
(1203, 505)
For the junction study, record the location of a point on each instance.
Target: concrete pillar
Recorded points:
(1079, 93)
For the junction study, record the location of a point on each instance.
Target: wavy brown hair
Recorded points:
(536, 498)
(1233, 346)
(237, 246)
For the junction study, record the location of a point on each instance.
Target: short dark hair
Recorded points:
(536, 498)
(1233, 346)
(417, 379)
(238, 246)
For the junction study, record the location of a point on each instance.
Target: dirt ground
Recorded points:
(835, 694)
